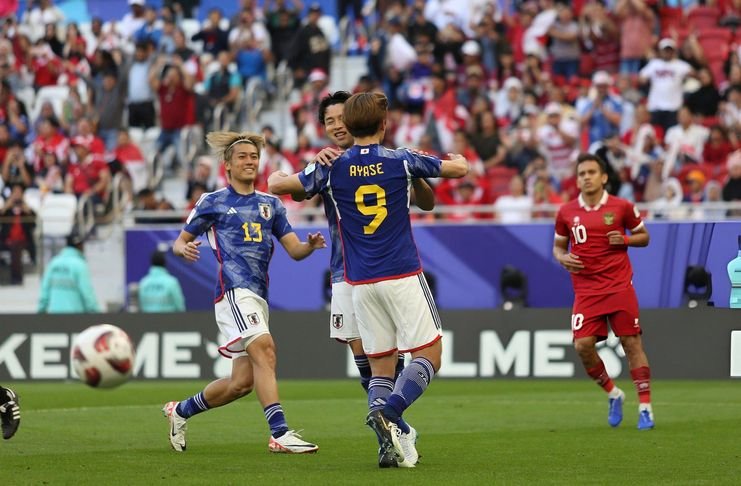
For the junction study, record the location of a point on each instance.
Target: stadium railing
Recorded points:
(485, 213)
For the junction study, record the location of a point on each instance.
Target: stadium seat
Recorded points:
(57, 215)
(498, 179)
(54, 94)
(27, 96)
(717, 34)
(702, 16)
(32, 197)
(670, 17)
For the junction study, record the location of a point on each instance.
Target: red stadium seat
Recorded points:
(671, 17)
(498, 178)
(719, 34)
(702, 16)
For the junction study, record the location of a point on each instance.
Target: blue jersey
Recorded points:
(311, 188)
(240, 230)
(370, 188)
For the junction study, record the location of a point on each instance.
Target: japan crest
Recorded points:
(253, 319)
(609, 218)
(265, 211)
(337, 321)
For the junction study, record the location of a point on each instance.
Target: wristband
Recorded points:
(626, 240)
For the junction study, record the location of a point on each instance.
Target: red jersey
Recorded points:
(176, 107)
(607, 267)
(86, 174)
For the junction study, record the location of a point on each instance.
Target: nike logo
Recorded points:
(172, 430)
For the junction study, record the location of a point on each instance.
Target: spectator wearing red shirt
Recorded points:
(16, 231)
(90, 176)
(463, 193)
(49, 140)
(174, 88)
(85, 130)
(45, 66)
(131, 160)
(717, 149)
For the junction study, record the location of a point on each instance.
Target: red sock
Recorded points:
(599, 374)
(642, 380)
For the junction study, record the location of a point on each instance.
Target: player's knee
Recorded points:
(584, 349)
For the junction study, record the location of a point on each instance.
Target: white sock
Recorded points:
(645, 406)
(615, 393)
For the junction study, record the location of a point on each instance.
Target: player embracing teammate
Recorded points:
(370, 188)
(592, 243)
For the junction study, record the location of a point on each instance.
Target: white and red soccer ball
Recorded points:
(103, 356)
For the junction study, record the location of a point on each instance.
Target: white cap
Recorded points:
(601, 77)
(667, 43)
(471, 48)
(552, 108)
(510, 83)
(317, 75)
(136, 2)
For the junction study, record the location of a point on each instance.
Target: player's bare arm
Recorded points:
(561, 253)
(424, 196)
(297, 249)
(280, 183)
(639, 237)
(455, 167)
(186, 247)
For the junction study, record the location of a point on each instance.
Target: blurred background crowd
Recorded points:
(108, 100)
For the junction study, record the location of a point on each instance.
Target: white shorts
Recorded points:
(242, 316)
(396, 315)
(342, 323)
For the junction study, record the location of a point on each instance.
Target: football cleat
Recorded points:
(178, 426)
(10, 413)
(408, 444)
(291, 443)
(388, 433)
(645, 420)
(615, 411)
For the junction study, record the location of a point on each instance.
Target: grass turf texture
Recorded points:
(471, 432)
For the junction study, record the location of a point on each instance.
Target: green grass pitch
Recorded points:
(472, 432)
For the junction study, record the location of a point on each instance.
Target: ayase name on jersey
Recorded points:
(366, 170)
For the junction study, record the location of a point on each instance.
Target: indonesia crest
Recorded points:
(265, 211)
(609, 218)
(337, 321)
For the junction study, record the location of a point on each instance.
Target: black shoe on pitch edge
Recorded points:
(10, 413)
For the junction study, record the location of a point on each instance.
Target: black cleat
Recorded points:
(10, 413)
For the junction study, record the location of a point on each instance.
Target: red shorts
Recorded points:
(591, 314)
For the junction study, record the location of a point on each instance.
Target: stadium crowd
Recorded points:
(518, 87)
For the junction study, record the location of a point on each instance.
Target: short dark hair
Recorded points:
(75, 240)
(364, 113)
(587, 157)
(158, 258)
(332, 99)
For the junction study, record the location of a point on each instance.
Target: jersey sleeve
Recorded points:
(200, 218)
(632, 216)
(281, 226)
(422, 165)
(314, 179)
(562, 229)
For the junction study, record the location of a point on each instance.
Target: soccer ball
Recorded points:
(103, 356)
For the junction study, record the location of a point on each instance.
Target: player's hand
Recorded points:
(191, 251)
(326, 156)
(316, 241)
(456, 157)
(615, 238)
(571, 263)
